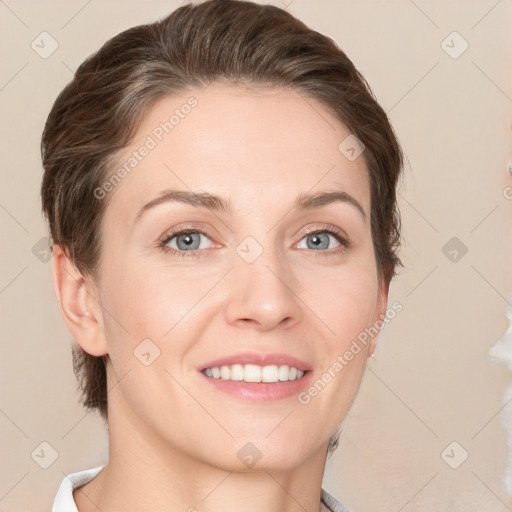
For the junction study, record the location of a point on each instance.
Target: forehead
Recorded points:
(240, 143)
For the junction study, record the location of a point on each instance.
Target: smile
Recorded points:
(254, 373)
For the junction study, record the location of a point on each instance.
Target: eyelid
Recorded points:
(325, 227)
(184, 228)
(338, 233)
(344, 240)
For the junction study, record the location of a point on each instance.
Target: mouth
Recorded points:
(256, 367)
(255, 373)
(258, 377)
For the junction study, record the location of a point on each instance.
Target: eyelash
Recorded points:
(345, 243)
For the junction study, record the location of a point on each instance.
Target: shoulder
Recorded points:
(64, 501)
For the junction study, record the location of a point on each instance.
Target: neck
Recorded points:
(145, 473)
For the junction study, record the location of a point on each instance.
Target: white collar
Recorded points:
(64, 501)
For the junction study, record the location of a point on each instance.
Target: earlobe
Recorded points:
(79, 303)
(380, 314)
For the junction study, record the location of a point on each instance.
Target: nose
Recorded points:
(262, 295)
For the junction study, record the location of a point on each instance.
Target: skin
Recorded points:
(174, 438)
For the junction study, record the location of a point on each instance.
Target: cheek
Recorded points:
(144, 303)
(345, 303)
(344, 300)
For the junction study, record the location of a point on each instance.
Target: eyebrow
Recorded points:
(212, 202)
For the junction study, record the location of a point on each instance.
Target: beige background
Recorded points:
(431, 382)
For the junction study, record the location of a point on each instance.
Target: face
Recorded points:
(215, 253)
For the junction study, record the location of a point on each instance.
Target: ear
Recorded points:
(380, 312)
(79, 302)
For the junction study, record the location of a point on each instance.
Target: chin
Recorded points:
(261, 455)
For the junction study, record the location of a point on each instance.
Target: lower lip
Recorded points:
(260, 391)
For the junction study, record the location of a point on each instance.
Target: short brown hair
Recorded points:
(227, 41)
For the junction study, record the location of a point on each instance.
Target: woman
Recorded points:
(220, 191)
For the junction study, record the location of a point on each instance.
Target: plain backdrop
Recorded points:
(431, 396)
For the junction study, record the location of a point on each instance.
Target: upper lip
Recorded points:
(258, 359)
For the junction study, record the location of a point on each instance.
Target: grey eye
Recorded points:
(187, 241)
(319, 241)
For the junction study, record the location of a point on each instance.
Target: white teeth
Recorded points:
(237, 372)
(225, 372)
(270, 374)
(283, 372)
(254, 373)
